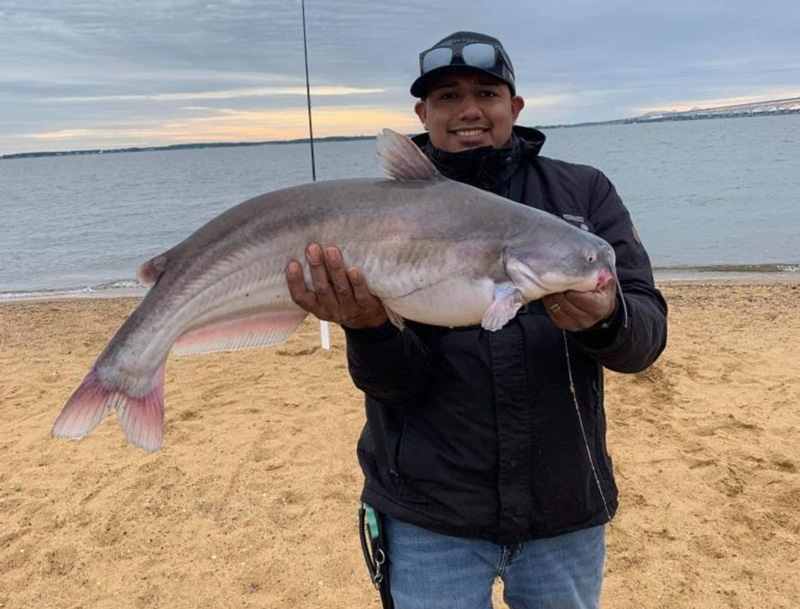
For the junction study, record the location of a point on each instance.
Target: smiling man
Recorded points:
(464, 109)
(484, 453)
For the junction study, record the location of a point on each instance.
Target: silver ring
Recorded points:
(554, 307)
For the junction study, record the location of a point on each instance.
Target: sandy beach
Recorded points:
(252, 501)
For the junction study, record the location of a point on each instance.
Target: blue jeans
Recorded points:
(432, 571)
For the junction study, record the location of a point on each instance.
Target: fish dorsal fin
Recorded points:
(402, 160)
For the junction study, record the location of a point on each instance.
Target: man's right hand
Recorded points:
(339, 295)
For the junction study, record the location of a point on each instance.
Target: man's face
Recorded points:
(465, 109)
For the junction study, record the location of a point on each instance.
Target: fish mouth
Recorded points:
(604, 277)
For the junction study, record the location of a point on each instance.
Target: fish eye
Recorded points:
(591, 257)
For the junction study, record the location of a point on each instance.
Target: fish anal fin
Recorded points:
(151, 270)
(257, 330)
(401, 159)
(506, 303)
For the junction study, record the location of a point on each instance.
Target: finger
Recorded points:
(566, 308)
(360, 292)
(371, 307)
(338, 276)
(320, 279)
(564, 314)
(594, 305)
(298, 290)
(582, 310)
(552, 303)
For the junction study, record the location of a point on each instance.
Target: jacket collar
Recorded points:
(487, 168)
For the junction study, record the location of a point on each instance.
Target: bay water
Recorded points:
(722, 193)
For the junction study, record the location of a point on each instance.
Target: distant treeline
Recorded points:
(334, 138)
(677, 116)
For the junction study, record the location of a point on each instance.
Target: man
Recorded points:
(486, 452)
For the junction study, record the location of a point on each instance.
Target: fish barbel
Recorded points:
(431, 249)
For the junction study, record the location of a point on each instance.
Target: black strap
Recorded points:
(374, 547)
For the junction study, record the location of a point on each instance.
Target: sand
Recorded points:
(252, 502)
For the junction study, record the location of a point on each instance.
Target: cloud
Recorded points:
(101, 65)
(232, 125)
(229, 94)
(64, 134)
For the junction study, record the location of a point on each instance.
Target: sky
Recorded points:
(81, 74)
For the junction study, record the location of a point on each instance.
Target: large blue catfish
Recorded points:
(433, 250)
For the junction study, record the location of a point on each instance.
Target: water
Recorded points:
(717, 193)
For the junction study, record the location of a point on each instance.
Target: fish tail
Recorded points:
(141, 417)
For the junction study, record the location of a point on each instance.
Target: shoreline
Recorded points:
(671, 276)
(675, 276)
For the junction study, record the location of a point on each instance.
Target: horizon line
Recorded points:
(664, 115)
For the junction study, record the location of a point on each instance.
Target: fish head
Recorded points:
(585, 264)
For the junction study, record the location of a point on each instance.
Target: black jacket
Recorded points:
(475, 434)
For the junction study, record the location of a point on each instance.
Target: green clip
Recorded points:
(372, 522)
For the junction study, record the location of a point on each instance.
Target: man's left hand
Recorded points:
(576, 311)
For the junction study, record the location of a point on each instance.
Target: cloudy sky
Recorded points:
(78, 74)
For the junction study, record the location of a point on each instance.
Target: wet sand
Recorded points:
(252, 502)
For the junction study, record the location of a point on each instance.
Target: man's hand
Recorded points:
(339, 295)
(576, 311)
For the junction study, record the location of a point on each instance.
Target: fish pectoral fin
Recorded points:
(257, 330)
(402, 159)
(394, 317)
(506, 303)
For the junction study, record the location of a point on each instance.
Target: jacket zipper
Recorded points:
(394, 470)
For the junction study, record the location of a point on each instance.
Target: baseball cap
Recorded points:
(464, 50)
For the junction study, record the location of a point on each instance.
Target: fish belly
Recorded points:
(450, 303)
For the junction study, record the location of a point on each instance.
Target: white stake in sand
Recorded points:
(325, 334)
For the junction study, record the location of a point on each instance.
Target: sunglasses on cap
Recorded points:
(487, 56)
(481, 55)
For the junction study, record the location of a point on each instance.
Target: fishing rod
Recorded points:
(324, 330)
(308, 94)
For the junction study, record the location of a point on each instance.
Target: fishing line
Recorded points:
(324, 331)
(583, 430)
(308, 95)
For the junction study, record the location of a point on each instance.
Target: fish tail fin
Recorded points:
(141, 417)
(85, 409)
